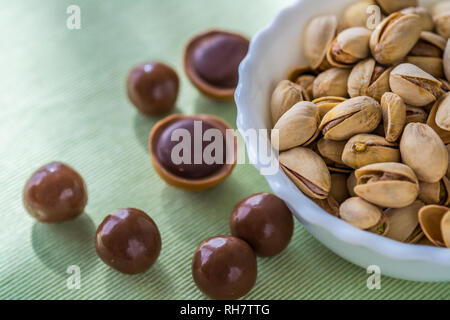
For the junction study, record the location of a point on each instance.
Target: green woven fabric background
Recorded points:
(62, 97)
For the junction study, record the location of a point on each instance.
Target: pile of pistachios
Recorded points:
(364, 129)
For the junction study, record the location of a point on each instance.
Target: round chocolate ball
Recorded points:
(55, 193)
(193, 165)
(128, 240)
(264, 221)
(217, 59)
(224, 267)
(153, 88)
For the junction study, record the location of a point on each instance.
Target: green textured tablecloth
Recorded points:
(62, 97)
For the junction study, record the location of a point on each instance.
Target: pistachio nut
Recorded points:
(448, 169)
(368, 79)
(394, 115)
(394, 37)
(353, 116)
(285, 95)
(431, 121)
(331, 151)
(307, 170)
(415, 114)
(332, 82)
(339, 187)
(356, 14)
(390, 6)
(363, 215)
(404, 223)
(446, 60)
(415, 86)
(351, 184)
(442, 118)
(435, 192)
(325, 104)
(423, 150)
(364, 149)
(318, 36)
(426, 21)
(387, 184)
(298, 126)
(431, 219)
(350, 46)
(329, 204)
(441, 18)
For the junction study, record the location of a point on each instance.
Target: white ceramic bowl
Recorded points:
(273, 51)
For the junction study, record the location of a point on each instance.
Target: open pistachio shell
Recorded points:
(431, 121)
(285, 95)
(443, 113)
(332, 82)
(331, 149)
(435, 192)
(325, 104)
(363, 215)
(394, 115)
(339, 187)
(390, 6)
(423, 150)
(393, 38)
(356, 14)
(426, 21)
(430, 218)
(350, 46)
(364, 149)
(446, 60)
(431, 65)
(307, 170)
(404, 223)
(353, 116)
(388, 184)
(415, 114)
(298, 126)
(317, 38)
(445, 229)
(415, 86)
(351, 184)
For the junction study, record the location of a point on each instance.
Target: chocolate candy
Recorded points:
(186, 162)
(153, 88)
(212, 61)
(264, 221)
(224, 267)
(55, 193)
(128, 240)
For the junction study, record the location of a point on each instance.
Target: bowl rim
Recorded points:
(339, 229)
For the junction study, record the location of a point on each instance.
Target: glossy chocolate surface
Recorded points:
(216, 59)
(128, 240)
(224, 267)
(55, 193)
(153, 88)
(264, 221)
(193, 166)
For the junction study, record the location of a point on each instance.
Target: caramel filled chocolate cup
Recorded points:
(192, 171)
(211, 61)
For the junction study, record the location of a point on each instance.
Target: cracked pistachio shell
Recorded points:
(435, 192)
(285, 95)
(339, 187)
(368, 79)
(307, 170)
(424, 152)
(387, 184)
(426, 21)
(353, 116)
(332, 82)
(363, 215)
(431, 219)
(441, 18)
(351, 184)
(331, 151)
(298, 126)
(356, 14)
(446, 60)
(442, 118)
(317, 37)
(448, 169)
(303, 76)
(415, 86)
(329, 204)
(393, 38)
(325, 104)
(445, 229)
(415, 114)
(390, 6)
(431, 65)
(350, 46)
(431, 121)
(394, 115)
(364, 149)
(404, 223)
